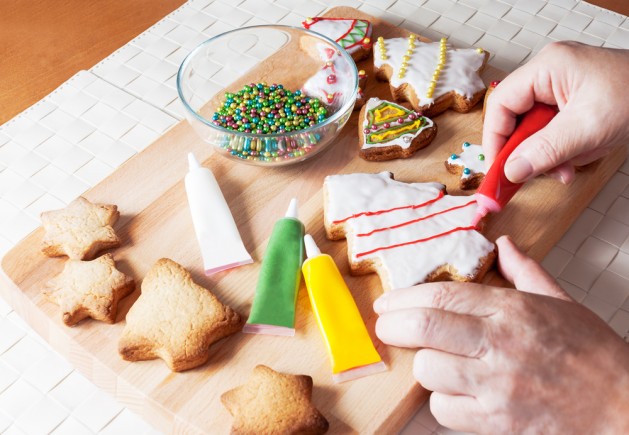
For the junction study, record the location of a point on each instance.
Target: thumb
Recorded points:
(564, 138)
(524, 272)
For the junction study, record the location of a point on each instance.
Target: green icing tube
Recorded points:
(273, 309)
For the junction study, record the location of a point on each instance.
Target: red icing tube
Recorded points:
(496, 190)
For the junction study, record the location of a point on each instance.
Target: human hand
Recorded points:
(509, 361)
(590, 85)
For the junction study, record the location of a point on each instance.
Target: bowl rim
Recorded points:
(339, 113)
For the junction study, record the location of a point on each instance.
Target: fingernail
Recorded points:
(557, 176)
(518, 169)
(380, 304)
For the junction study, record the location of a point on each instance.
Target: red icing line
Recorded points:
(354, 21)
(349, 30)
(454, 230)
(374, 213)
(403, 224)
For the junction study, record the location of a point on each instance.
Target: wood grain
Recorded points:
(149, 191)
(45, 42)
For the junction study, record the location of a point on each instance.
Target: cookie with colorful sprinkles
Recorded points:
(432, 76)
(470, 165)
(389, 131)
(352, 34)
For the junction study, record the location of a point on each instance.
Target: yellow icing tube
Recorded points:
(350, 348)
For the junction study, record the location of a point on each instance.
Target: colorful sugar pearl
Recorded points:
(443, 48)
(259, 109)
(262, 109)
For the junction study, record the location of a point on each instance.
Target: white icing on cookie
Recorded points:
(470, 159)
(330, 81)
(403, 141)
(409, 242)
(348, 33)
(459, 73)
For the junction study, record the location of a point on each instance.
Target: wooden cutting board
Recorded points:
(155, 223)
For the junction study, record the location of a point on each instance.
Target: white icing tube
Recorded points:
(217, 234)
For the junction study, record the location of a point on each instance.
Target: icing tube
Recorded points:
(273, 309)
(496, 190)
(217, 234)
(350, 348)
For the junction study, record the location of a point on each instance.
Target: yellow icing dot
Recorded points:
(366, 40)
(412, 36)
(380, 39)
(480, 50)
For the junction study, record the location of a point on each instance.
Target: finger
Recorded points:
(425, 327)
(515, 95)
(524, 272)
(461, 413)
(447, 373)
(563, 173)
(464, 298)
(558, 142)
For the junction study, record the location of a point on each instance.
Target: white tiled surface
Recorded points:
(80, 133)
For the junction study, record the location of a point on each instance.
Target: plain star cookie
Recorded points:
(80, 230)
(274, 403)
(469, 165)
(408, 233)
(175, 319)
(432, 76)
(352, 34)
(89, 289)
(389, 131)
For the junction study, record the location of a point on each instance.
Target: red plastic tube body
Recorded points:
(496, 190)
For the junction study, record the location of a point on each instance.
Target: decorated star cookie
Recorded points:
(409, 233)
(433, 77)
(390, 131)
(175, 319)
(89, 289)
(352, 34)
(470, 165)
(274, 403)
(330, 82)
(80, 230)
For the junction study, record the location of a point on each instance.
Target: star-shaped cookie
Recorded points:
(175, 319)
(89, 289)
(274, 403)
(80, 230)
(432, 76)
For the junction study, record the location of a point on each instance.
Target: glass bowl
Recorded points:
(301, 61)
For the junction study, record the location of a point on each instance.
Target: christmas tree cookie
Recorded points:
(389, 131)
(352, 34)
(433, 76)
(408, 233)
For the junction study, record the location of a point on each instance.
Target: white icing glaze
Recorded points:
(459, 73)
(403, 141)
(469, 159)
(336, 30)
(318, 86)
(404, 266)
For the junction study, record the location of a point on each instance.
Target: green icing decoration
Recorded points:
(388, 112)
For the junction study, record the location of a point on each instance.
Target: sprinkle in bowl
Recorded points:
(268, 95)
